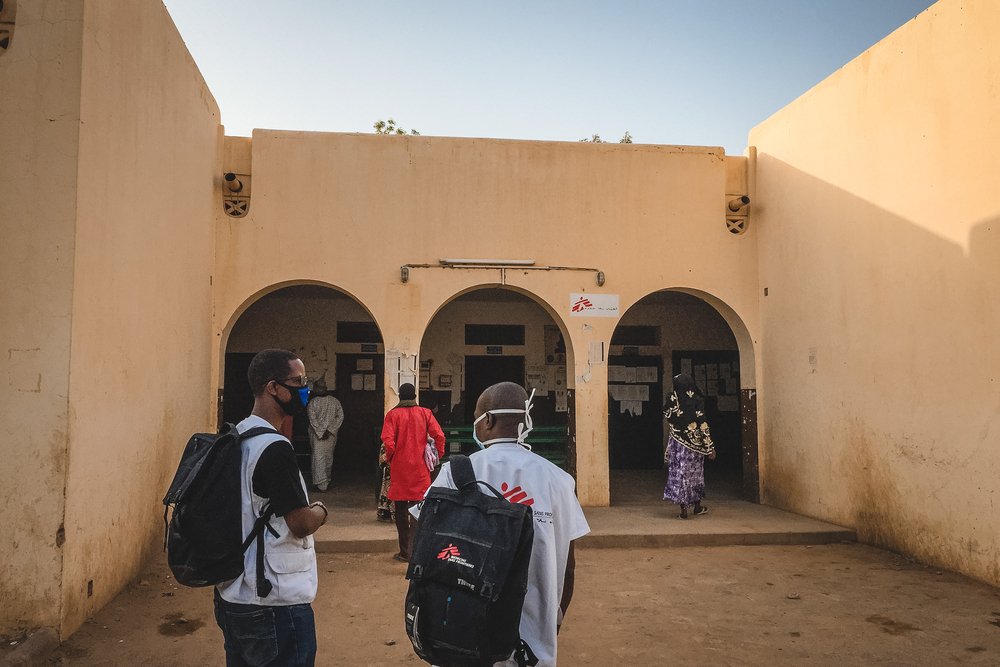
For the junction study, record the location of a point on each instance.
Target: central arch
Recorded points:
(675, 331)
(493, 333)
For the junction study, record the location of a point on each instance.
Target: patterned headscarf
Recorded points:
(686, 416)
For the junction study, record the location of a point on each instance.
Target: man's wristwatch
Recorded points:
(326, 512)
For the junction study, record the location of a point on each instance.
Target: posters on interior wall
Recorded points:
(425, 374)
(555, 346)
(537, 379)
(363, 381)
(562, 403)
(557, 377)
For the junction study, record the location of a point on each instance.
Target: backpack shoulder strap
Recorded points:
(464, 476)
(259, 430)
(461, 471)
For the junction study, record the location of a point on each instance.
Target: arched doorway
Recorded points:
(663, 334)
(338, 341)
(490, 335)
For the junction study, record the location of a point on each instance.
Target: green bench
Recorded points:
(546, 441)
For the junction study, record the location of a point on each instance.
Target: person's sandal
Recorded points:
(700, 511)
(401, 558)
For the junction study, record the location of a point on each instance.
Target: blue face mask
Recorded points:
(522, 429)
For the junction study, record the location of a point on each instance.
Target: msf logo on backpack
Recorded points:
(451, 554)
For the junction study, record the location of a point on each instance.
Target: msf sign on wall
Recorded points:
(593, 305)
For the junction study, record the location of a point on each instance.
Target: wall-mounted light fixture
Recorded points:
(501, 265)
(487, 262)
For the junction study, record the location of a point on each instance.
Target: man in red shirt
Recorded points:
(404, 433)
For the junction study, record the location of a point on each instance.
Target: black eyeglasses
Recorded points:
(302, 380)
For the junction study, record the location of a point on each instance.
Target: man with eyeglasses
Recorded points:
(273, 624)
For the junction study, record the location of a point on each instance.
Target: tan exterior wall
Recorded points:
(39, 135)
(349, 210)
(150, 149)
(879, 232)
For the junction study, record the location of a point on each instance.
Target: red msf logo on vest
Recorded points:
(516, 494)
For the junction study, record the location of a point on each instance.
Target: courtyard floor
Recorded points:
(833, 604)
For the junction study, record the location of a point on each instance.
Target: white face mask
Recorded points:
(523, 429)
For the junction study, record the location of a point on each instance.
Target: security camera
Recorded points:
(736, 204)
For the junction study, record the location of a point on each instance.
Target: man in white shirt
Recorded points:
(508, 464)
(326, 415)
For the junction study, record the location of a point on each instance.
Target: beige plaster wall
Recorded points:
(349, 210)
(879, 232)
(39, 136)
(149, 175)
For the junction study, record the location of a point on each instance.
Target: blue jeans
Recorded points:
(259, 636)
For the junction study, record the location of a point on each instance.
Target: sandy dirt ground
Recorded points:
(842, 604)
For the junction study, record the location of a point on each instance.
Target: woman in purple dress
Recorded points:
(689, 443)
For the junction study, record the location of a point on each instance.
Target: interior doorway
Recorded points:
(358, 440)
(338, 341)
(486, 371)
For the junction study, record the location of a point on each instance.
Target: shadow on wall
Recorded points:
(882, 372)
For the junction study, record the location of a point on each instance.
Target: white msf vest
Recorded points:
(289, 562)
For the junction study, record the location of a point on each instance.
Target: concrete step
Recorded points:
(728, 523)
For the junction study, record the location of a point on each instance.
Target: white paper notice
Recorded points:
(616, 373)
(369, 382)
(561, 401)
(633, 408)
(630, 374)
(629, 392)
(646, 374)
(405, 377)
(596, 353)
(357, 382)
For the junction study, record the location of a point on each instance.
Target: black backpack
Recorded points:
(468, 575)
(204, 539)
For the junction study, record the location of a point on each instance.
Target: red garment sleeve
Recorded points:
(389, 436)
(435, 432)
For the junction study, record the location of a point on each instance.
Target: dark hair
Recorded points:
(268, 365)
(407, 392)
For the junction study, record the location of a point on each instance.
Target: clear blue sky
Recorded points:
(698, 72)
